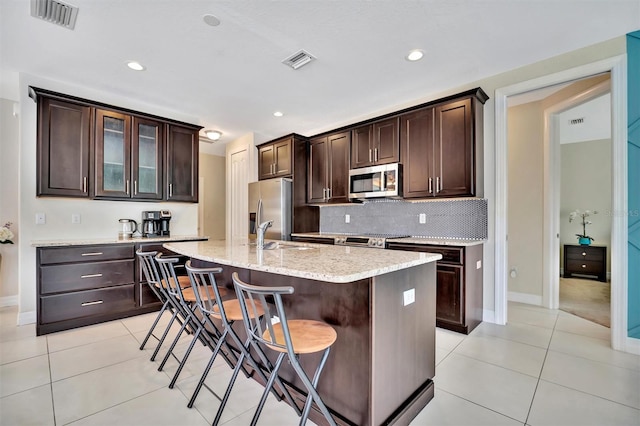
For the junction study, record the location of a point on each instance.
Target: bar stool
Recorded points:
(211, 304)
(184, 300)
(290, 338)
(158, 288)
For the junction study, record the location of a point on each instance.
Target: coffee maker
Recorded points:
(155, 223)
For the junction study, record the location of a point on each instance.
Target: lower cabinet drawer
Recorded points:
(584, 267)
(85, 276)
(86, 303)
(85, 253)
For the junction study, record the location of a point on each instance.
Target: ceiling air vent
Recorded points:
(55, 12)
(576, 121)
(298, 59)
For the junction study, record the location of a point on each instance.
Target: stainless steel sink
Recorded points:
(273, 245)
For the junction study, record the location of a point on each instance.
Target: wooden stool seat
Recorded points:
(307, 336)
(183, 282)
(190, 296)
(233, 311)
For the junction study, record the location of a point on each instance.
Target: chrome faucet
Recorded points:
(262, 228)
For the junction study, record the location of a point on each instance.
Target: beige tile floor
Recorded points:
(543, 368)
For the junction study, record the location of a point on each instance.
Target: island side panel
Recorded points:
(403, 358)
(345, 381)
(473, 287)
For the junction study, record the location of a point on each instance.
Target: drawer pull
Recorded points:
(95, 253)
(97, 302)
(91, 276)
(584, 254)
(584, 266)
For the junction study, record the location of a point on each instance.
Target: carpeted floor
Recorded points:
(588, 299)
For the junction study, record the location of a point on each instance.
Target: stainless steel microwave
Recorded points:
(376, 182)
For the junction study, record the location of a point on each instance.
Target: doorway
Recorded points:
(617, 67)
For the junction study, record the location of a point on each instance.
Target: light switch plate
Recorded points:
(347, 218)
(422, 217)
(75, 218)
(479, 264)
(408, 297)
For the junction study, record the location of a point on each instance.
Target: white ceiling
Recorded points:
(230, 77)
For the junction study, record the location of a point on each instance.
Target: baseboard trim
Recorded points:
(8, 301)
(25, 318)
(529, 299)
(632, 345)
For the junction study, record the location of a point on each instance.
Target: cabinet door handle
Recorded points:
(584, 266)
(94, 253)
(135, 187)
(375, 154)
(328, 193)
(91, 276)
(84, 184)
(96, 302)
(370, 160)
(127, 188)
(430, 186)
(324, 193)
(438, 188)
(170, 190)
(584, 254)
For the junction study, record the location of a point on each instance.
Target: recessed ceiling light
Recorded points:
(278, 114)
(415, 55)
(136, 66)
(211, 20)
(214, 135)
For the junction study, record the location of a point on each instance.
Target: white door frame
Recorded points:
(617, 67)
(551, 191)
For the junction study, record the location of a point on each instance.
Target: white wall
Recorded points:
(213, 196)
(9, 211)
(99, 218)
(586, 185)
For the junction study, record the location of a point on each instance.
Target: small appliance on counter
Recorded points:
(128, 227)
(155, 223)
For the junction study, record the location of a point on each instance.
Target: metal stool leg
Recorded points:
(155, 323)
(314, 383)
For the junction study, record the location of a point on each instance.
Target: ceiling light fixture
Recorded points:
(211, 20)
(278, 114)
(415, 55)
(136, 66)
(214, 135)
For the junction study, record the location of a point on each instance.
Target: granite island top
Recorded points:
(408, 240)
(337, 264)
(114, 240)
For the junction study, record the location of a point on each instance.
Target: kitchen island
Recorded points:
(381, 303)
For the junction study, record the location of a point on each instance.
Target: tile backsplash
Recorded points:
(464, 219)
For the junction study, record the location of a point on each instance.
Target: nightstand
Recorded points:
(585, 260)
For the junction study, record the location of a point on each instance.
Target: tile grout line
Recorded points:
(533, 397)
(53, 403)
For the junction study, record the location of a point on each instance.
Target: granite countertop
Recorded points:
(114, 240)
(409, 240)
(322, 262)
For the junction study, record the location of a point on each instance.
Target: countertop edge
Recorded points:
(407, 240)
(116, 240)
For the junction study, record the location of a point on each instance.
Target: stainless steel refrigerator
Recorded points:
(275, 195)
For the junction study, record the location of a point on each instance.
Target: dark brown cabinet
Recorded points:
(182, 164)
(131, 155)
(328, 175)
(585, 260)
(376, 143)
(64, 140)
(128, 156)
(438, 145)
(458, 284)
(275, 159)
(82, 285)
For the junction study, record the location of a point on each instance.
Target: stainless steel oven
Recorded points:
(376, 182)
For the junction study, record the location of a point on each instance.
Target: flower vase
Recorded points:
(584, 241)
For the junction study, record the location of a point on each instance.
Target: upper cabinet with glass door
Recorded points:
(128, 156)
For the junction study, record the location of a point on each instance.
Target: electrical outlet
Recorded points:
(479, 264)
(41, 218)
(408, 297)
(75, 218)
(514, 272)
(347, 218)
(422, 218)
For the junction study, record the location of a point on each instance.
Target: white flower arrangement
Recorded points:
(583, 215)
(5, 234)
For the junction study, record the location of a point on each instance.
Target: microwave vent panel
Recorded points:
(56, 12)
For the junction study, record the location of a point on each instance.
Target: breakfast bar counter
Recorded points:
(381, 303)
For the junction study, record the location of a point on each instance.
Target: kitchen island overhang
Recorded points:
(382, 305)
